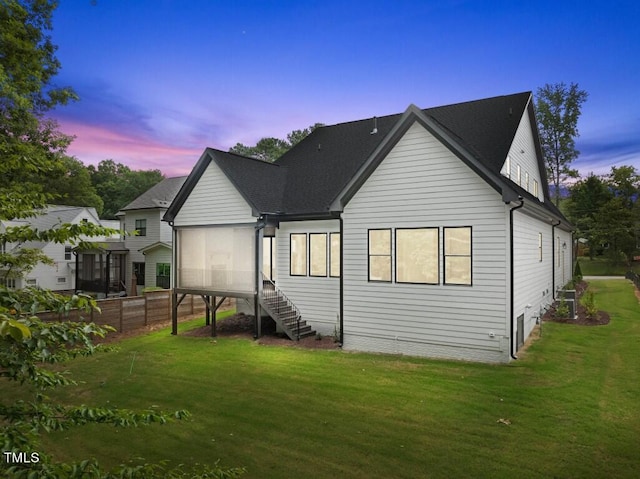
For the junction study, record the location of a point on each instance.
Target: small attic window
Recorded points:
(507, 167)
(535, 188)
(518, 175)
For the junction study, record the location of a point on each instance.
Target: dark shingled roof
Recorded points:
(308, 179)
(158, 196)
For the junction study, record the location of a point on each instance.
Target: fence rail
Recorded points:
(133, 312)
(635, 277)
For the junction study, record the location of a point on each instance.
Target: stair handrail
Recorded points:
(278, 292)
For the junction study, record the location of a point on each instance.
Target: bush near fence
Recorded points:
(133, 312)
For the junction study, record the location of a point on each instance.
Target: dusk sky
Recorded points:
(160, 80)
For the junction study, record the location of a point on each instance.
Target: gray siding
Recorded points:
(317, 298)
(214, 201)
(523, 153)
(135, 243)
(422, 184)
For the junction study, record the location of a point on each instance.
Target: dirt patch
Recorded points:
(582, 318)
(242, 326)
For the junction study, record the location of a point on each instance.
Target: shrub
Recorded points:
(577, 272)
(562, 309)
(589, 303)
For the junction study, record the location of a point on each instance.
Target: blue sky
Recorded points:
(160, 80)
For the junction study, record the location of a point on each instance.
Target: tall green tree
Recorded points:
(30, 143)
(587, 197)
(269, 148)
(118, 185)
(558, 109)
(32, 148)
(73, 186)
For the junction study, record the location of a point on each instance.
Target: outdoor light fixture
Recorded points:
(564, 245)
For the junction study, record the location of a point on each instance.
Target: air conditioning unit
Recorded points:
(571, 304)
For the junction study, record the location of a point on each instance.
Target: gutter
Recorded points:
(511, 266)
(261, 223)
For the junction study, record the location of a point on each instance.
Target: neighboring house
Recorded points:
(62, 275)
(428, 233)
(149, 258)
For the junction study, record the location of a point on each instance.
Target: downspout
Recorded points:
(511, 266)
(256, 297)
(341, 281)
(174, 279)
(553, 263)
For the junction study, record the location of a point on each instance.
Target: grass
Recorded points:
(605, 267)
(571, 401)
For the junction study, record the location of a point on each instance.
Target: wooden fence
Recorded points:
(133, 312)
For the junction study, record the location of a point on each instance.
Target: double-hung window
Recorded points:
(380, 255)
(141, 227)
(457, 255)
(334, 255)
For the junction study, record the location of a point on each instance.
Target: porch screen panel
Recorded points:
(217, 259)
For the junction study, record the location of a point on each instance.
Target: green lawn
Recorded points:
(572, 401)
(605, 267)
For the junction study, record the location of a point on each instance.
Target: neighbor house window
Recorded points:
(535, 188)
(539, 246)
(67, 252)
(334, 255)
(457, 255)
(31, 282)
(10, 283)
(138, 272)
(417, 255)
(163, 275)
(298, 254)
(380, 255)
(317, 254)
(61, 279)
(141, 227)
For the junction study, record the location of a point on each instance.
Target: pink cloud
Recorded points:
(93, 144)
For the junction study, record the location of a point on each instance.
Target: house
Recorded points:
(426, 233)
(61, 276)
(148, 263)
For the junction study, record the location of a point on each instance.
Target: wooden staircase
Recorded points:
(283, 311)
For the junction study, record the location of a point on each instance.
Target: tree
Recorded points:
(31, 149)
(118, 185)
(558, 108)
(587, 197)
(73, 186)
(269, 148)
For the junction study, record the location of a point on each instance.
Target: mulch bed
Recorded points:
(582, 317)
(241, 326)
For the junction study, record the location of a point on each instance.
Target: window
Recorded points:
(141, 227)
(539, 246)
(507, 167)
(298, 254)
(457, 255)
(67, 252)
(163, 275)
(558, 250)
(61, 280)
(518, 175)
(138, 272)
(31, 282)
(526, 181)
(10, 283)
(535, 188)
(417, 251)
(334, 255)
(380, 255)
(317, 254)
